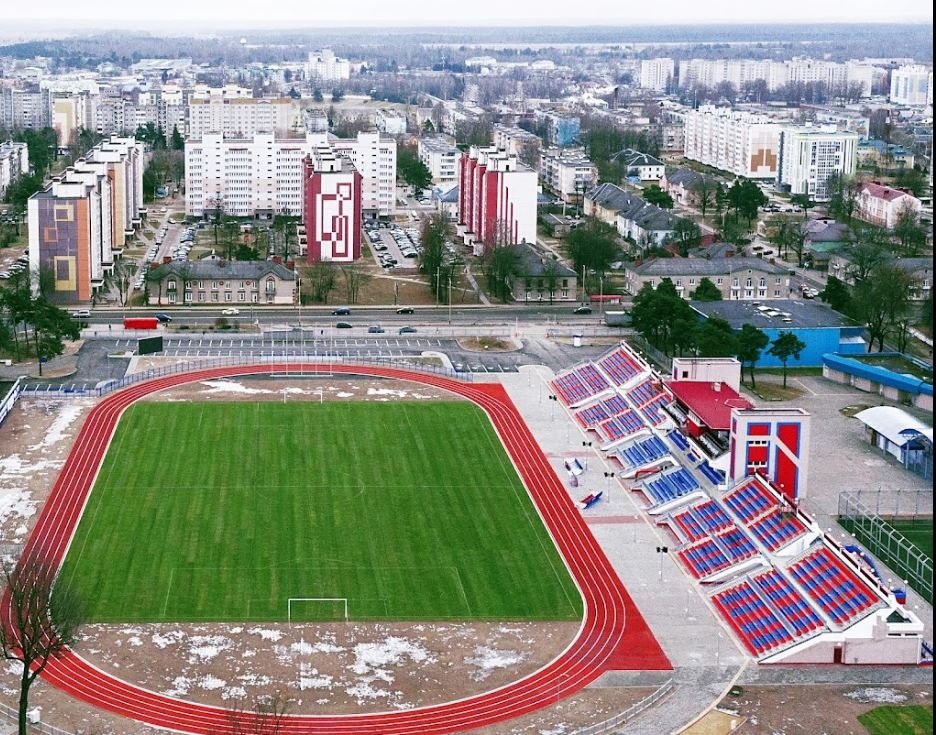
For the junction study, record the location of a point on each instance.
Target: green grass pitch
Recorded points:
(906, 719)
(223, 511)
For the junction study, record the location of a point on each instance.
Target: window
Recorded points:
(270, 286)
(214, 296)
(171, 284)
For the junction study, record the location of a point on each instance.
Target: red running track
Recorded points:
(613, 635)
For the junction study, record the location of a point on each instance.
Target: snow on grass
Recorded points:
(162, 640)
(371, 658)
(66, 415)
(487, 659)
(14, 465)
(211, 683)
(252, 679)
(180, 687)
(342, 394)
(266, 634)
(312, 679)
(233, 693)
(206, 647)
(231, 386)
(387, 392)
(365, 691)
(16, 503)
(877, 695)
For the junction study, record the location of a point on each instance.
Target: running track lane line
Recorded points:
(613, 635)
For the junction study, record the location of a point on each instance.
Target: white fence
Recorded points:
(9, 400)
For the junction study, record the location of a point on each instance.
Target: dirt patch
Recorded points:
(817, 708)
(851, 411)
(487, 344)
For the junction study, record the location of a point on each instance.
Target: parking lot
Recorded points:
(393, 246)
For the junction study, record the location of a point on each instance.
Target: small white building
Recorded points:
(882, 205)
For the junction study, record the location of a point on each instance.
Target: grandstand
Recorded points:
(789, 593)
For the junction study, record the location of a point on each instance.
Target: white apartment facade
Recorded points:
(809, 156)
(567, 172)
(390, 122)
(242, 117)
(440, 157)
(327, 67)
(14, 162)
(776, 74)
(912, 85)
(657, 74)
(740, 143)
(517, 141)
(261, 175)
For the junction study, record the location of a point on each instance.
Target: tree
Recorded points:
(653, 194)
(317, 95)
(910, 234)
(686, 235)
(926, 310)
(592, 246)
(550, 276)
(658, 313)
(704, 190)
(266, 716)
(707, 291)
(337, 95)
(843, 196)
(177, 142)
(882, 300)
(836, 294)
(785, 346)
(715, 338)
(746, 198)
(355, 279)
(321, 279)
(501, 268)
(435, 232)
(863, 257)
(42, 616)
(413, 172)
(120, 278)
(802, 200)
(751, 341)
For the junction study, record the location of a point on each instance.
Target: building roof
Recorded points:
(880, 191)
(611, 196)
(896, 424)
(879, 374)
(773, 314)
(630, 157)
(531, 263)
(711, 402)
(669, 267)
(685, 176)
(248, 270)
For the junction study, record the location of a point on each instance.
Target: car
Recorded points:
(341, 311)
(162, 318)
(81, 313)
(375, 329)
(405, 310)
(582, 310)
(342, 325)
(231, 311)
(407, 330)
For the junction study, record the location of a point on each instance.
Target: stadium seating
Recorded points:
(678, 439)
(643, 452)
(579, 384)
(788, 602)
(712, 517)
(704, 558)
(592, 415)
(619, 367)
(749, 501)
(690, 525)
(736, 544)
(621, 426)
(776, 530)
(760, 629)
(653, 411)
(671, 486)
(716, 477)
(836, 589)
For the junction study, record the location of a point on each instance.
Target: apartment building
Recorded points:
(262, 175)
(120, 115)
(440, 157)
(78, 224)
(567, 172)
(331, 207)
(640, 165)
(912, 85)
(327, 67)
(657, 74)
(517, 142)
(240, 117)
(740, 143)
(70, 114)
(809, 156)
(736, 278)
(20, 108)
(561, 130)
(497, 199)
(14, 162)
(390, 122)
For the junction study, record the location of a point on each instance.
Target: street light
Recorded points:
(608, 476)
(662, 550)
(585, 446)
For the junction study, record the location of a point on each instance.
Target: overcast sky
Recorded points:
(474, 12)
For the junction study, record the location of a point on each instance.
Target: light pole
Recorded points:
(585, 447)
(661, 551)
(608, 477)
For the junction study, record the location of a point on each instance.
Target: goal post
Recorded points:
(340, 602)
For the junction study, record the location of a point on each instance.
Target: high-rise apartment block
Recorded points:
(657, 74)
(241, 117)
(331, 207)
(912, 85)
(327, 67)
(810, 156)
(567, 172)
(741, 143)
(440, 157)
(79, 223)
(496, 199)
(14, 162)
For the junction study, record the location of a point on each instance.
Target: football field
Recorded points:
(263, 511)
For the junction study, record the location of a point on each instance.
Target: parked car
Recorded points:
(405, 310)
(341, 311)
(582, 310)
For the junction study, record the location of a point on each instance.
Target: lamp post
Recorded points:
(608, 477)
(661, 551)
(585, 446)
(552, 410)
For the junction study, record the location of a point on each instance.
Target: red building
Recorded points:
(773, 442)
(331, 209)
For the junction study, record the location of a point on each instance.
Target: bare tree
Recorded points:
(41, 618)
(266, 716)
(355, 279)
(322, 280)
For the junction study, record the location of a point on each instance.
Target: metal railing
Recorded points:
(38, 727)
(415, 364)
(886, 542)
(9, 400)
(630, 713)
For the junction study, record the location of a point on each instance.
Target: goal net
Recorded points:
(315, 609)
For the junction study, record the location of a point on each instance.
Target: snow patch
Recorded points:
(877, 695)
(16, 503)
(210, 682)
(65, 416)
(267, 635)
(487, 659)
(370, 658)
(230, 386)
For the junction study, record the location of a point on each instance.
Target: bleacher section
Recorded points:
(643, 452)
(704, 558)
(749, 501)
(621, 426)
(711, 474)
(620, 367)
(678, 439)
(671, 486)
(649, 398)
(579, 384)
(737, 544)
(789, 602)
(760, 629)
(776, 530)
(836, 589)
(592, 415)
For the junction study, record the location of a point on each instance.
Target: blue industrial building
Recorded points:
(822, 330)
